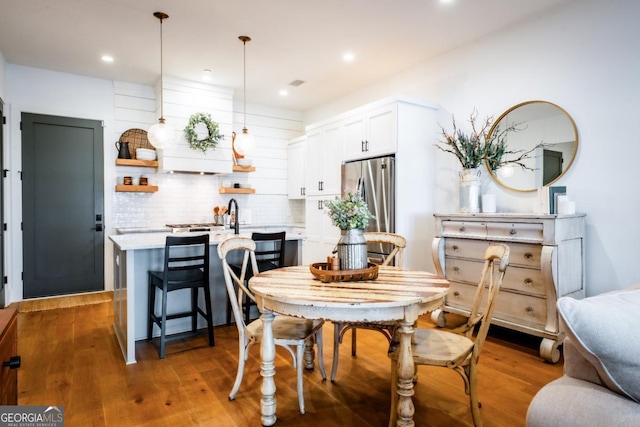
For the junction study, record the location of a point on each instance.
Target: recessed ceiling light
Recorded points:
(107, 58)
(283, 92)
(348, 57)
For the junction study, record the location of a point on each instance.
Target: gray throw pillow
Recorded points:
(604, 329)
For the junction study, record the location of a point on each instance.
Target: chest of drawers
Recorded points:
(546, 262)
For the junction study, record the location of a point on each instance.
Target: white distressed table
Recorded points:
(396, 295)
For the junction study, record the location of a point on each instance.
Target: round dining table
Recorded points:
(396, 295)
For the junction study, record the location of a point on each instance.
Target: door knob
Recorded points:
(13, 363)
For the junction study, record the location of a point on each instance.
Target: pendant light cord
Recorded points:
(161, 16)
(244, 83)
(161, 79)
(244, 40)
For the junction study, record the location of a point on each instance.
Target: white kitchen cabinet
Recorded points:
(322, 235)
(324, 159)
(296, 168)
(546, 262)
(372, 133)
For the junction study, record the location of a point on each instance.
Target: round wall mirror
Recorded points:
(540, 148)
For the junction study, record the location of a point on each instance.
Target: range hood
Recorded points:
(182, 158)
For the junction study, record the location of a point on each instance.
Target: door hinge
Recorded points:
(22, 276)
(4, 226)
(22, 226)
(20, 125)
(5, 280)
(4, 172)
(4, 120)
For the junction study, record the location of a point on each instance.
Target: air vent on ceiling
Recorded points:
(296, 82)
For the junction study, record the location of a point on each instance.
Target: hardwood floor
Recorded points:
(70, 357)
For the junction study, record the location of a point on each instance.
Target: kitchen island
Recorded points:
(137, 253)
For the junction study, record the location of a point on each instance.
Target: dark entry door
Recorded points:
(62, 205)
(551, 166)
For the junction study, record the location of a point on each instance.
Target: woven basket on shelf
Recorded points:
(137, 138)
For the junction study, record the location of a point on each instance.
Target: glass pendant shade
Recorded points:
(244, 143)
(160, 135)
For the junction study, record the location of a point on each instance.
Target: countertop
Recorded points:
(153, 240)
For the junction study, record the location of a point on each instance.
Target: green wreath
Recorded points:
(192, 137)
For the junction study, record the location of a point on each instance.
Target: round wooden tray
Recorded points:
(319, 270)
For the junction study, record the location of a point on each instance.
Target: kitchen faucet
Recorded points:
(236, 225)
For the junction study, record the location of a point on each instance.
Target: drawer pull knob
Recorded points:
(456, 294)
(13, 363)
(528, 256)
(529, 310)
(455, 247)
(528, 282)
(456, 269)
(462, 229)
(513, 232)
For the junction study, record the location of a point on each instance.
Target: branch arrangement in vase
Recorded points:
(478, 147)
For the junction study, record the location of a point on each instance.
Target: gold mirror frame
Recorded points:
(543, 126)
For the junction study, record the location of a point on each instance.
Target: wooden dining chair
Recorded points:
(288, 331)
(396, 243)
(457, 349)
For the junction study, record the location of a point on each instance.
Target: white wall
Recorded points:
(583, 58)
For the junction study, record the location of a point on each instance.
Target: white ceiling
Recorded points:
(292, 39)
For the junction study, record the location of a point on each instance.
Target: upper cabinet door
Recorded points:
(296, 169)
(324, 159)
(355, 137)
(372, 134)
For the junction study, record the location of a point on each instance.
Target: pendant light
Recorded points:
(243, 143)
(160, 135)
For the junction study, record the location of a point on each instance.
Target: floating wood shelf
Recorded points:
(136, 162)
(238, 168)
(228, 190)
(137, 188)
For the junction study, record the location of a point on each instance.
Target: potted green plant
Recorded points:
(351, 215)
(349, 212)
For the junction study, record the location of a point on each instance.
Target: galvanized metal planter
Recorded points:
(352, 250)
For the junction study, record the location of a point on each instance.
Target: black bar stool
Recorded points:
(186, 266)
(269, 255)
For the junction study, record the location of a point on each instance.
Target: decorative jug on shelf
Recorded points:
(123, 150)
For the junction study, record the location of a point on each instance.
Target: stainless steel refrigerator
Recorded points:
(374, 180)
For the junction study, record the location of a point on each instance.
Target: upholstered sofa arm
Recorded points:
(576, 366)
